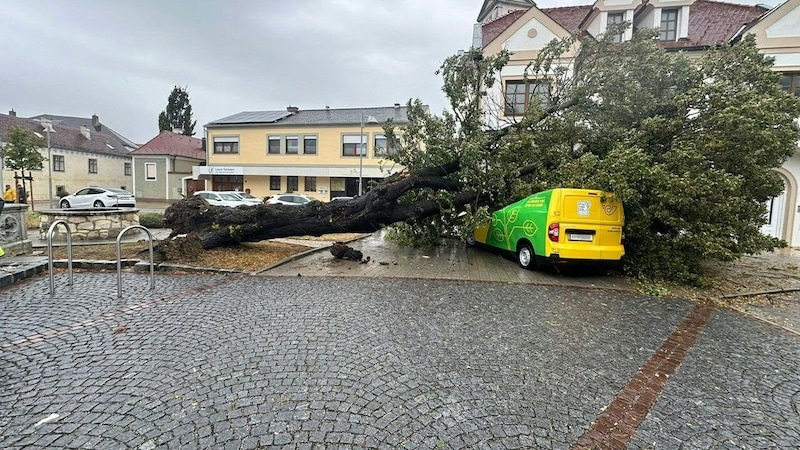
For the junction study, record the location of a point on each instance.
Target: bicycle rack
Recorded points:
(119, 259)
(50, 252)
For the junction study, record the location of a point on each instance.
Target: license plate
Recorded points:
(580, 237)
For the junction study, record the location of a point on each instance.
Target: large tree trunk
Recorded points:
(222, 226)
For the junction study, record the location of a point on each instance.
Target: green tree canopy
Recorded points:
(21, 150)
(689, 146)
(178, 115)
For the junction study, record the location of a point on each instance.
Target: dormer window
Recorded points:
(616, 18)
(669, 25)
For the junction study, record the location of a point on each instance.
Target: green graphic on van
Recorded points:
(558, 226)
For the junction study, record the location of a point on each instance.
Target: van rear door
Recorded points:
(590, 225)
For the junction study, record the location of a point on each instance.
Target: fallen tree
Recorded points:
(219, 226)
(689, 146)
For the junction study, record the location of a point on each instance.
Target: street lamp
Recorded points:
(48, 128)
(361, 150)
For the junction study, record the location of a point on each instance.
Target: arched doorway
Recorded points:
(780, 209)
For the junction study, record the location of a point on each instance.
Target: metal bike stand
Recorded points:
(119, 259)
(50, 252)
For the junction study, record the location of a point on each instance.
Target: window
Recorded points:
(128, 170)
(291, 184)
(520, 94)
(92, 165)
(311, 184)
(669, 25)
(150, 171)
(274, 145)
(58, 163)
(274, 183)
(226, 145)
(227, 182)
(614, 19)
(791, 82)
(291, 145)
(382, 147)
(310, 145)
(350, 145)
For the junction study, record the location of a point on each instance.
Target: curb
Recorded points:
(764, 292)
(300, 255)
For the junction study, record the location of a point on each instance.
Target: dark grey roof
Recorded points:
(328, 116)
(68, 138)
(77, 122)
(252, 117)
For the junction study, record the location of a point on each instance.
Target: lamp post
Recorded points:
(48, 128)
(361, 149)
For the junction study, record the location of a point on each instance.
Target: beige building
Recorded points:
(78, 158)
(689, 26)
(312, 152)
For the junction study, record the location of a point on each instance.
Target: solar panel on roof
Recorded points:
(254, 117)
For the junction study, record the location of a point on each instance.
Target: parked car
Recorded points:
(245, 197)
(288, 199)
(559, 226)
(341, 199)
(97, 197)
(221, 198)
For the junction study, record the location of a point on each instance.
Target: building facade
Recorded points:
(162, 168)
(690, 26)
(76, 158)
(313, 152)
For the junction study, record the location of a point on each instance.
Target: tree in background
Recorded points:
(21, 153)
(688, 146)
(178, 115)
(21, 150)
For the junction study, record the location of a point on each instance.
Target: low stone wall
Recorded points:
(89, 224)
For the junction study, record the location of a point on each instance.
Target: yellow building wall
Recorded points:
(253, 146)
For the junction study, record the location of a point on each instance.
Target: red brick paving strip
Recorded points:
(620, 420)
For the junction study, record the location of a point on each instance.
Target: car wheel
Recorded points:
(471, 240)
(98, 204)
(526, 257)
(64, 204)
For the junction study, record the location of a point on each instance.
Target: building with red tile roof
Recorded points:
(162, 168)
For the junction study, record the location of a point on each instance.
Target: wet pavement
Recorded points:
(452, 260)
(213, 361)
(449, 347)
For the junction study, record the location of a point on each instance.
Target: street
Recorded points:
(212, 361)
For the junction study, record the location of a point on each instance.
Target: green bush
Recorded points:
(151, 220)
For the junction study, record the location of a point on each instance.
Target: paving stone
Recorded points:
(212, 361)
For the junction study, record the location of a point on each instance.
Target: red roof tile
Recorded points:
(569, 17)
(173, 144)
(494, 28)
(714, 23)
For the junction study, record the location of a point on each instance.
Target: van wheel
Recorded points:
(471, 241)
(525, 257)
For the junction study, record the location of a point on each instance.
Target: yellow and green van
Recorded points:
(558, 226)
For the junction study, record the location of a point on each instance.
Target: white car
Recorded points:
(288, 199)
(97, 197)
(221, 199)
(247, 198)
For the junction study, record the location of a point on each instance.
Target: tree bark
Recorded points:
(218, 226)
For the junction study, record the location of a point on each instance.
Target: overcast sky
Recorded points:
(120, 59)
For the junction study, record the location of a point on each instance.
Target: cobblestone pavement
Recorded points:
(217, 361)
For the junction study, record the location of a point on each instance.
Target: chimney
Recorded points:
(292, 109)
(397, 106)
(204, 144)
(86, 132)
(12, 113)
(96, 122)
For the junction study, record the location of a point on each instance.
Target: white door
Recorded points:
(775, 208)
